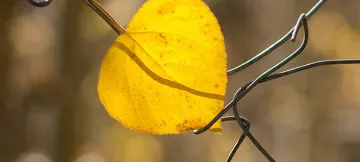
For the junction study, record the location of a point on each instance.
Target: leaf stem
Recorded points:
(93, 4)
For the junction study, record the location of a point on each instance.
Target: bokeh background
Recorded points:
(50, 112)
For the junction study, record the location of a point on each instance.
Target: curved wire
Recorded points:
(246, 132)
(286, 73)
(245, 125)
(309, 66)
(243, 92)
(274, 46)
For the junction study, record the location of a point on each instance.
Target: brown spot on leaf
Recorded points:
(162, 36)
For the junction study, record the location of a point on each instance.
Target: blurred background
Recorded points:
(50, 112)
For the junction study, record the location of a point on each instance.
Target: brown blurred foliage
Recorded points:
(49, 110)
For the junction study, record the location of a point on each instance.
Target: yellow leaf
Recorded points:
(167, 73)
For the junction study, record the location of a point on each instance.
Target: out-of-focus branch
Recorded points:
(11, 138)
(74, 67)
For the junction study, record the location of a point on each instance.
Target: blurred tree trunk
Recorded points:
(11, 121)
(74, 67)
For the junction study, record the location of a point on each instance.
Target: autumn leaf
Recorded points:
(166, 74)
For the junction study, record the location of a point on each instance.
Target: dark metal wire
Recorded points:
(264, 77)
(274, 46)
(243, 91)
(245, 125)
